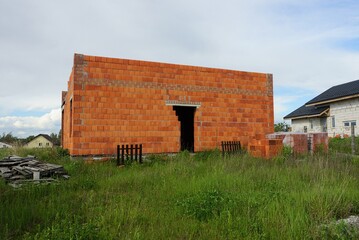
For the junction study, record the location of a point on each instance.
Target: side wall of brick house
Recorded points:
(113, 101)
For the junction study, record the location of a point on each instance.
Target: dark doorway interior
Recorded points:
(186, 117)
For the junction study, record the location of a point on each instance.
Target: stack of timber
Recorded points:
(18, 170)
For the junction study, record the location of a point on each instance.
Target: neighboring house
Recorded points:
(5, 145)
(165, 107)
(40, 141)
(334, 111)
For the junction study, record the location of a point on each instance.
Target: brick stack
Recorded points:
(265, 147)
(118, 101)
(273, 148)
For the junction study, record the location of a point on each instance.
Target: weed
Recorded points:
(157, 159)
(205, 204)
(343, 145)
(286, 154)
(61, 152)
(205, 155)
(68, 228)
(183, 155)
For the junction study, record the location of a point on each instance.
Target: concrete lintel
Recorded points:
(183, 103)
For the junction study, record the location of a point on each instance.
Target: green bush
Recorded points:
(286, 154)
(5, 152)
(62, 152)
(343, 145)
(205, 205)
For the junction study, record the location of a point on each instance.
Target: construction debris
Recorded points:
(351, 220)
(18, 170)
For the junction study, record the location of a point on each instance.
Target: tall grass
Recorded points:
(343, 145)
(186, 197)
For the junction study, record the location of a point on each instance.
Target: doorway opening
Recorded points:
(186, 117)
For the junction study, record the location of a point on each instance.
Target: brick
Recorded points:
(123, 101)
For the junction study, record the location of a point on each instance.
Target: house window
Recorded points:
(47, 144)
(40, 144)
(305, 129)
(333, 121)
(350, 123)
(311, 123)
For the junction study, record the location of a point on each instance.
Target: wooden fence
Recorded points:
(231, 148)
(129, 153)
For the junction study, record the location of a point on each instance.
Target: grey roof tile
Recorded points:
(306, 111)
(339, 91)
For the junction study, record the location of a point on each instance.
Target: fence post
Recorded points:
(131, 152)
(230, 148)
(353, 139)
(136, 152)
(140, 153)
(123, 154)
(222, 149)
(118, 155)
(127, 154)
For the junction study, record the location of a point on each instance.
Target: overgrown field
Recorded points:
(343, 145)
(187, 197)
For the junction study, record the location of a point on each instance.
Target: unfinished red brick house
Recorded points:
(165, 107)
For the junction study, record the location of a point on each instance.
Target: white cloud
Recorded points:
(306, 44)
(30, 125)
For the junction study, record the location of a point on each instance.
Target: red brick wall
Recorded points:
(302, 142)
(319, 141)
(116, 101)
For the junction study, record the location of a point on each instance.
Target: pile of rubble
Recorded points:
(347, 228)
(18, 170)
(352, 221)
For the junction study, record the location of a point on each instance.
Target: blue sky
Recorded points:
(308, 46)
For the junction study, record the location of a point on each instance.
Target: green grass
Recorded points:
(343, 145)
(186, 197)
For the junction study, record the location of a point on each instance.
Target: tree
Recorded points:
(28, 139)
(56, 139)
(60, 137)
(281, 127)
(8, 138)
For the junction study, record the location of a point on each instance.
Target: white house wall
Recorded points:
(299, 124)
(4, 145)
(347, 110)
